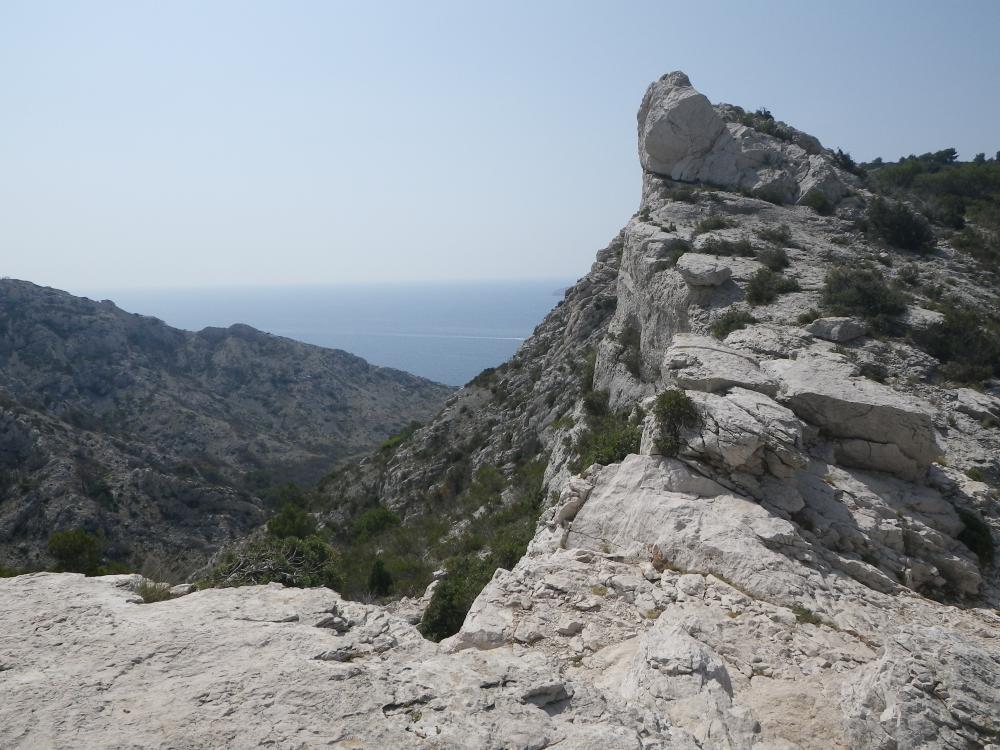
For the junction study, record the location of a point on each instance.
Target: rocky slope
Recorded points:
(793, 548)
(163, 439)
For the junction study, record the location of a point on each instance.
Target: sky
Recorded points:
(246, 143)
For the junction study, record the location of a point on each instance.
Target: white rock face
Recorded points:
(898, 430)
(682, 136)
(740, 628)
(267, 666)
(705, 364)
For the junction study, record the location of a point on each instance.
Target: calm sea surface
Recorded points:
(447, 332)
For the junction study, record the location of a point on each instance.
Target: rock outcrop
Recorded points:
(683, 137)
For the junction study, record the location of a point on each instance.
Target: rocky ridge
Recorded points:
(162, 439)
(811, 565)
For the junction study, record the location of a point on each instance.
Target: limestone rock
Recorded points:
(704, 364)
(838, 330)
(682, 136)
(83, 667)
(703, 270)
(822, 391)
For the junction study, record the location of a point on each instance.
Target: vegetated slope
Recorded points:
(166, 442)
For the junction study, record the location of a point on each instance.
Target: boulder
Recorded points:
(703, 270)
(821, 390)
(838, 330)
(977, 405)
(683, 137)
(702, 363)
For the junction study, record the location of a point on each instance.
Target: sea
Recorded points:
(445, 331)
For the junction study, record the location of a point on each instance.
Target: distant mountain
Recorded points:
(164, 440)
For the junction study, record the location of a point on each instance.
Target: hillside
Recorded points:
(738, 490)
(167, 442)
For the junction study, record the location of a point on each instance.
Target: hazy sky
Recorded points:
(226, 143)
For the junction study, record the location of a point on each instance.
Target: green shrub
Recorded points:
(729, 321)
(763, 121)
(379, 580)
(587, 370)
(711, 223)
(979, 245)
(843, 160)
(291, 521)
(898, 226)
(630, 355)
(301, 563)
(766, 285)
(909, 274)
(976, 474)
(731, 248)
(674, 411)
(774, 258)
(152, 591)
(607, 440)
(780, 235)
(864, 293)
(967, 345)
(394, 441)
(818, 202)
(454, 595)
(373, 522)
(683, 194)
(976, 536)
(806, 615)
(6, 572)
(76, 551)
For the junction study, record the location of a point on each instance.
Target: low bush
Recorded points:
(683, 194)
(864, 293)
(740, 248)
(779, 235)
(674, 411)
(607, 440)
(76, 551)
(967, 344)
(379, 579)
(453, 596)
(763, 121)
(291, 521)
(774, 258)
(373, 522)
(630, 354)
(766, 285)
(979, 245)
(394, 441)
(301, 563)
(711, 223)
(898, 226)
(818, 202)
(152, 591)
(729, 321)
(806, 615)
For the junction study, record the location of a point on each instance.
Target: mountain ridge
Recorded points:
(231, 410)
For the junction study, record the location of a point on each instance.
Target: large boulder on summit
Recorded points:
(683, 137)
